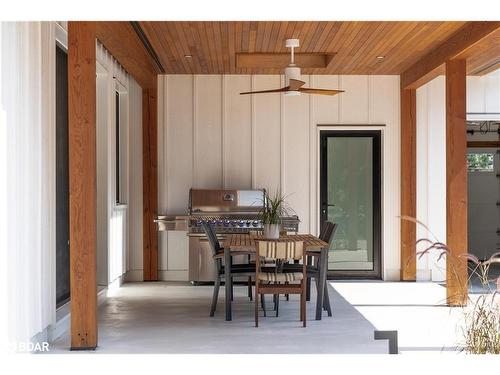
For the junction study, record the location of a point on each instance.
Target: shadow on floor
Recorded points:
(174, 318)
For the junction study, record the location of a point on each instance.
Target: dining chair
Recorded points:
(327, 234)
(243, 270)
(279, 281)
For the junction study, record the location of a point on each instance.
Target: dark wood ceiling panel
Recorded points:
(213, 45)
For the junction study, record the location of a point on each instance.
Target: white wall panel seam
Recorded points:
(194, 125)
(252, 124)
(339, 111)
(311, 160)
(282, 187)
(223, 131)
(370, 96)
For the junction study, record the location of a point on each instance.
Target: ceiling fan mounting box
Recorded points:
(292, 43)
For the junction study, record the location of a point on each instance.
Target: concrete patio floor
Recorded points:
(167, 317)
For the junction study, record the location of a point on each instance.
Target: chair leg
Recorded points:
(262, 301)
(308, 289)
(318, 308)
(257, 304)
(308, 293)
(287, 295)
(274, 298)
(232, 289)
(215, 296)
(326, 301)
(277, 304)
(303, 304)
(250, 287)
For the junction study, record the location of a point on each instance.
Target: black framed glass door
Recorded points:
(350, 196)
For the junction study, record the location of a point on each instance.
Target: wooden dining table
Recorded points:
(245, 243)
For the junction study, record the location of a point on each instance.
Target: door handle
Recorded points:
(325, 206)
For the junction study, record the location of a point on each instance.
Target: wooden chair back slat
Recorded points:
(275, 249)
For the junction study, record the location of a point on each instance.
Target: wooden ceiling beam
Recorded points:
(281, 60)
(430, 66)
(121, 40)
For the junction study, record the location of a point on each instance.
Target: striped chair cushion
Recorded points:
(276, 249)
(281, 277)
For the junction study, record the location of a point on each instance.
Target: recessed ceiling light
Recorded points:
(380, 57)
(188, 56)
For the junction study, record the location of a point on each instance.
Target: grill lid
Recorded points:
(225, 201)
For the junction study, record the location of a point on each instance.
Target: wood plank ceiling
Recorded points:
(213, 45)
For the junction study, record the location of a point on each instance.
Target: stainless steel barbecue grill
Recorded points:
(228, 211)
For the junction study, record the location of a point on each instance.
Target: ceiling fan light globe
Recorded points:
(292, 93)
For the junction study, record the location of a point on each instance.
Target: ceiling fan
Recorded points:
(293, 84)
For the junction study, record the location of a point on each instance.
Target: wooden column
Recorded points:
(408, 183)
(456, 182)
(150, 183)
(82, 183)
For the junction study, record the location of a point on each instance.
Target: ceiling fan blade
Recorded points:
(283, 89)
(295, 84)
(319, 91)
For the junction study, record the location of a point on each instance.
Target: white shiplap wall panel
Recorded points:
(436, 101)
(431, 162)
(296, 154)
(237, 132)
(325, 109)
(179, 117)
(215, 137)
(266, 140)
(208, 131)
(384, 92)
(354, 101)
(383, 97)
(483, 96)
(423, 272)
(492, 92)
(475, 94)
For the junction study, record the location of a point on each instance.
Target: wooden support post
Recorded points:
(456, 183)
(408, 183)
(82, 183)
(150, 183)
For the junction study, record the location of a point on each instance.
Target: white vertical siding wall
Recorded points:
(113, 236)
(431, 174)
(483, 102)
(483, 96)
(212, 137)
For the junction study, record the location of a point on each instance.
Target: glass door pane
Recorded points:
(349, 199)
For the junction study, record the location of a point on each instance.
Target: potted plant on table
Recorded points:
(273, 209)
